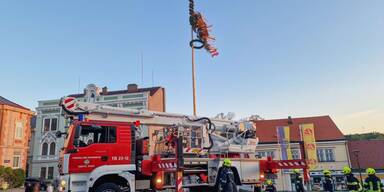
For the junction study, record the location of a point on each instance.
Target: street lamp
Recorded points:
(356, 154)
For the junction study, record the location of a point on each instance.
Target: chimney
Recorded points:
(290, 121)
(132, 87)
(104, 90)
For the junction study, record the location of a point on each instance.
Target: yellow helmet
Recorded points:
(296, 171)
(269, 182)
(327, 172)
(371, 171)
(347, 170)
(227, 162)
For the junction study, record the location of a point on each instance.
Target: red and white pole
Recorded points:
(179, 181)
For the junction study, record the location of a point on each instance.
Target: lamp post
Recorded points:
(356, 154)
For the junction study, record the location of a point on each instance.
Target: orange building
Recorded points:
(15, 132)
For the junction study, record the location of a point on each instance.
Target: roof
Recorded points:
(152, 90)
(370, 153)
(4, 101)
(325, 129)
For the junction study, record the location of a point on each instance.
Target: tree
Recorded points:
(365, 136)
(13, 177)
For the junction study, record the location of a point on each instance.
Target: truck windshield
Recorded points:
(96, 134)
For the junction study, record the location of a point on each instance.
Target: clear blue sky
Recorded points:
(277, 57)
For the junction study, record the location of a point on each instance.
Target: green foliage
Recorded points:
(14, 177)
(365, 136)
(19, 177)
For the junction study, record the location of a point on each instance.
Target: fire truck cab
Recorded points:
(98, 152)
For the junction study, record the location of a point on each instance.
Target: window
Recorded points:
(16, 161)
(50, 172)
(50, 124)
(52, 148)
(133, 104)
(43, 172)
(47, 124)
(96, 134)
(296, 154)
(113, 105)
(44, 149)
(19, 130)
(266, 154)
(54, 124)
(326, 155)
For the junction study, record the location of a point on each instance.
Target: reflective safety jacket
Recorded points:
(270, 188)
(328, 184)
(227, 180)
(298, 182)
(353, 184)
(373, 184)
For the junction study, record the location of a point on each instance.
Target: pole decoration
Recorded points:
(200, 27)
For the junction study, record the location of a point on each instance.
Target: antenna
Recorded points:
(142, 68)
(78, 85)
(153, 78)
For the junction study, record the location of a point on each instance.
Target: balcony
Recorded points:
(47, 157)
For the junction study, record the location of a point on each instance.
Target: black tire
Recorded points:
(108, 187)
(205, 189)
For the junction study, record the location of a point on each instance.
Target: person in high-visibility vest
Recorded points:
(227, 178)
(270, 187)
(372, 183)
(298, 180)
(353, 184)
(327, 182)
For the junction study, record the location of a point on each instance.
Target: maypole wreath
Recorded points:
(200, 27)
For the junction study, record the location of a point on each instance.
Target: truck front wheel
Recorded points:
(108, 187)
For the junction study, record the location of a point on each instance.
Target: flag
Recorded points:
(284, 141)
(308, 136)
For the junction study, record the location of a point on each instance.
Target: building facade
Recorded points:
(46, 147)
(367, 154)
(15, 132)
(331, 146)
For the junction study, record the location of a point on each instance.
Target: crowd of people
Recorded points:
(372, 183)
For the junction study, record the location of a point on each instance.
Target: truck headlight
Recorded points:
(63, 183)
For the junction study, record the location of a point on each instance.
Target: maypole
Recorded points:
(202, 40)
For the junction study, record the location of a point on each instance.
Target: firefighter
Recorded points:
(327, 182)
(270, 187)
(227, 178)
(353, 184)
(299, 186)
(372, 183)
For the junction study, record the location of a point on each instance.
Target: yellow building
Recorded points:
(15, 132)
(331, 148)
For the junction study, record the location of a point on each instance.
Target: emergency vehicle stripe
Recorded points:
(70, 106)
(179, 183)
(68, 100)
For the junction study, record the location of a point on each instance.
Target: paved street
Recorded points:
(13, 190)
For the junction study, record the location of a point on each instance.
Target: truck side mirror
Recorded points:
(59, 134)
(76, 137)
(76, 142)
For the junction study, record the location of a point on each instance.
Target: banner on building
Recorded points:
(284, 141)
(308, 136)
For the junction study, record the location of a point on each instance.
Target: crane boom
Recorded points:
(221, 135)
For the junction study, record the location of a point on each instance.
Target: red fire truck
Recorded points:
(109, 149)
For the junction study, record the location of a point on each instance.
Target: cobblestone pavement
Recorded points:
(13, 190)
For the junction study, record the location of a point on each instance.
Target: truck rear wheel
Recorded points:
(108, 187)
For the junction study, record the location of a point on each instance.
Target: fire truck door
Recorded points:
(93, 148)
(123, 151)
